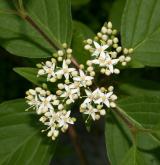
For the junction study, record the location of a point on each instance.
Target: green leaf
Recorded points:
(156, 131)
(116, 138)
(20, 139)
(19, 38)
(119, 144)
(143, 109)
(30, 74)
(137, 85)
(80, 33)
(144, 112)
(79, 2)
(116, 13)
(133, 157)
(141, 30)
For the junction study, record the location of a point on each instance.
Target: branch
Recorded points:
(76, 142)
(43, 34)
(37, 28)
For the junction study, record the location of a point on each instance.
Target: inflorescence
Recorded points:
(72, 83)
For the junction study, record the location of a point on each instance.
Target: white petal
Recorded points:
(50, 106)
(49, 98)
(77, 79)
(59, 72)
(93, 115)
(70, 121)
(68, 114)
(66, 75)
(96, 45)
(73, 91)
(102, 55)
(88, 92)
(110, 68)
(107, 103)
(108, 94)
(81, 73)
(115, 61)
(41, 98)
(96, 53)
(97, 91)
(64, 94)
(108, 56)
(95, 110)
(98, 101)
(105, 47)
(95, 61)
(65, 66)
(66, 87)
(89, 78)
(71, 69)
(86, 101)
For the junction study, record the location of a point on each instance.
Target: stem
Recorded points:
(75, 63)
(76, 142)
(36, 27)
(31, 22)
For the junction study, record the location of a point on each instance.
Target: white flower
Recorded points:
(49, 69)
(45, 103)
(105, 60)
(92, 96)
(65, 70)
(33, 101)
(104, 98)
(91, 111)
(101, 60)
(52, 119)
(56, 120)
(70, 92)
(64, 119)
(97, 97)
(99, 49)
(83, 79)
(111, 62)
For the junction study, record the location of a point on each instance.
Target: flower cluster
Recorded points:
(95, 103)
(47, 105)
(106, 52)
(72, 83)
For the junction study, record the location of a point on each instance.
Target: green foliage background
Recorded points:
(138, 86)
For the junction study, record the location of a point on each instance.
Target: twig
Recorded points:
(31, 22)
(75, 63)
(77, 145)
